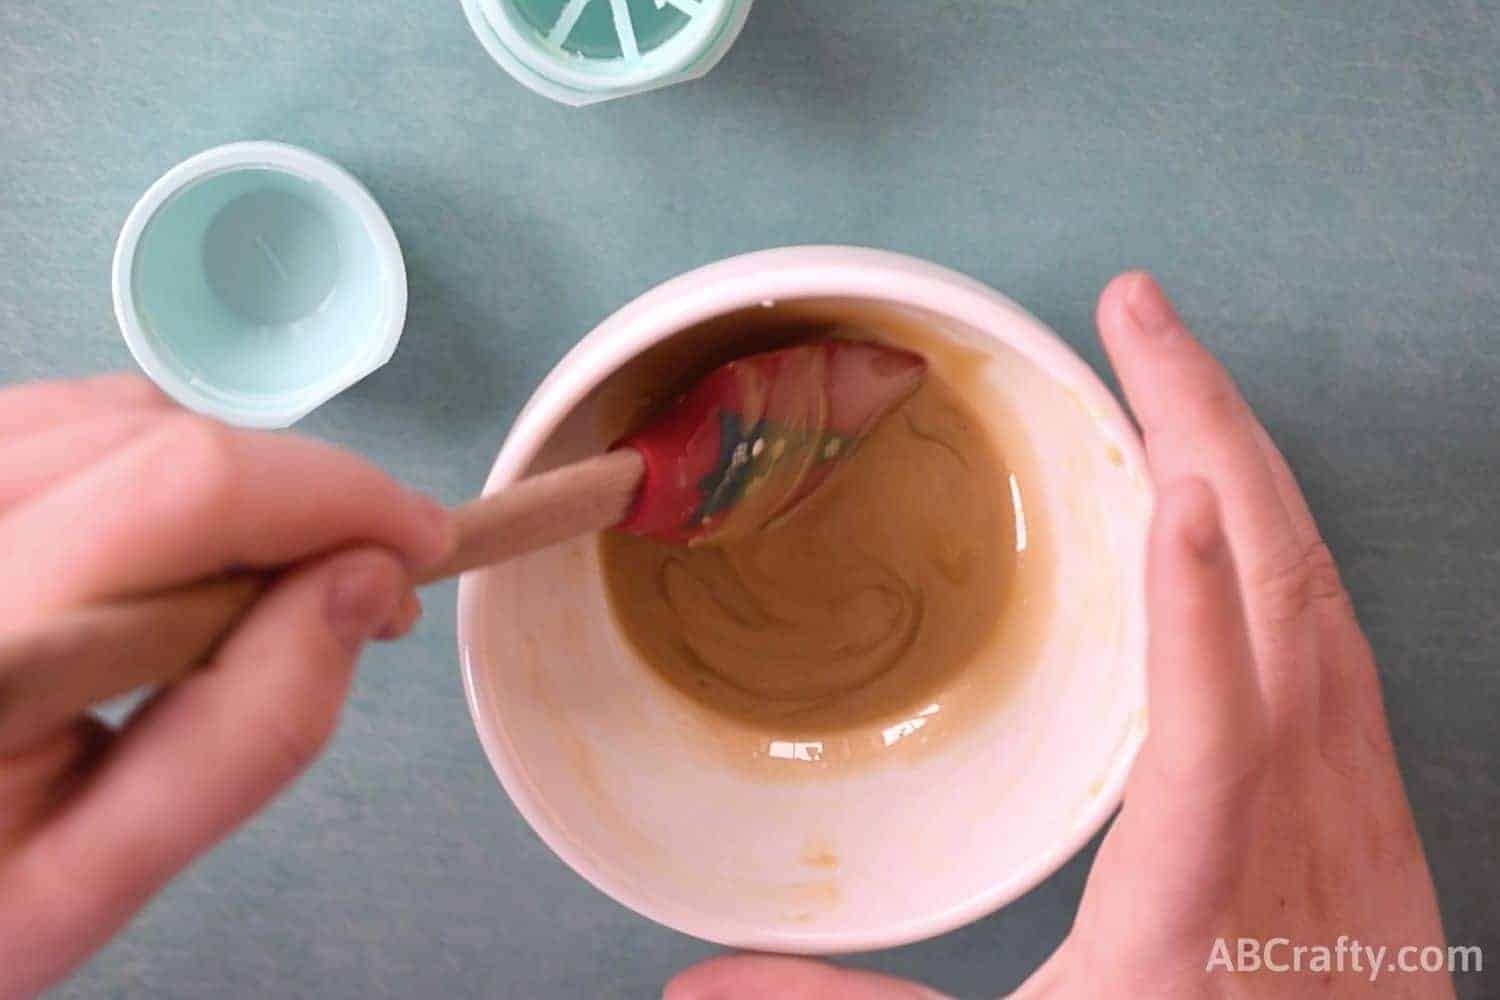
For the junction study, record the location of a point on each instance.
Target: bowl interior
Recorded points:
(257, 287)
(635, 785)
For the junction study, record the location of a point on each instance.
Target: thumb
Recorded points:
(753, 977)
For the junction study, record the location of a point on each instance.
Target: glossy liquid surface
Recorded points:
(901, 599)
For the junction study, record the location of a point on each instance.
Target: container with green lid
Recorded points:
(583, 51)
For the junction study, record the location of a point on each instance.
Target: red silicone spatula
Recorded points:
(740, 449)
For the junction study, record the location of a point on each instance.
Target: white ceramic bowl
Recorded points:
(612, 768)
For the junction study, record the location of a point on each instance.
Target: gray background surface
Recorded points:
(1316, 182)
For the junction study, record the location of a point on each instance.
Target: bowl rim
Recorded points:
(789, 273)
(309, 167)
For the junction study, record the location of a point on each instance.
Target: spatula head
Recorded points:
(756, 437)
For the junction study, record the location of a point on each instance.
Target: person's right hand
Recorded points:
(1266, 803)
(109, 490)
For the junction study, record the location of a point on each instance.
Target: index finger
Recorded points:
(195, 499)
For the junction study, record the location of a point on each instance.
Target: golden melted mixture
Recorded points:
(888, 603)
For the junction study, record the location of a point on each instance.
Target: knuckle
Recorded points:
(298, 738)
(1296, 580)
(1299, 579)
(1228, 767)
(203, 455)
(1218, 401)
(1324, 582)
(300, 721)
(1283, 585)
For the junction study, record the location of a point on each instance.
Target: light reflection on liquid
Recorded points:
(1020, 509)
(891, 734)
(820, 752)
(804, 750)
(830, 751)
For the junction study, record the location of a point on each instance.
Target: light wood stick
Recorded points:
(52, 672)
(577, 499)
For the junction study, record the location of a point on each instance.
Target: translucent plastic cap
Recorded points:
(582, 51)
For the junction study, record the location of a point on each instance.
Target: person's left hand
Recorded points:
(109, 490)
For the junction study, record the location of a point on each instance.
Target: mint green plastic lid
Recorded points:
(582, 51)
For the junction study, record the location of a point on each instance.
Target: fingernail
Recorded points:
(362, 599)
(407, 614)
(1150, 308)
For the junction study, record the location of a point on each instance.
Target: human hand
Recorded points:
(1266, 802)
(107, 490)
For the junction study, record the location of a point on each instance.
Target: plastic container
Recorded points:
(582, 51)
(256, 281)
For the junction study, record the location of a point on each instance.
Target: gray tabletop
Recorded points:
(1316, 182)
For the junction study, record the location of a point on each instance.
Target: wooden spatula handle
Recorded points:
(543, 510)
(51, 673)
(54, 671)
